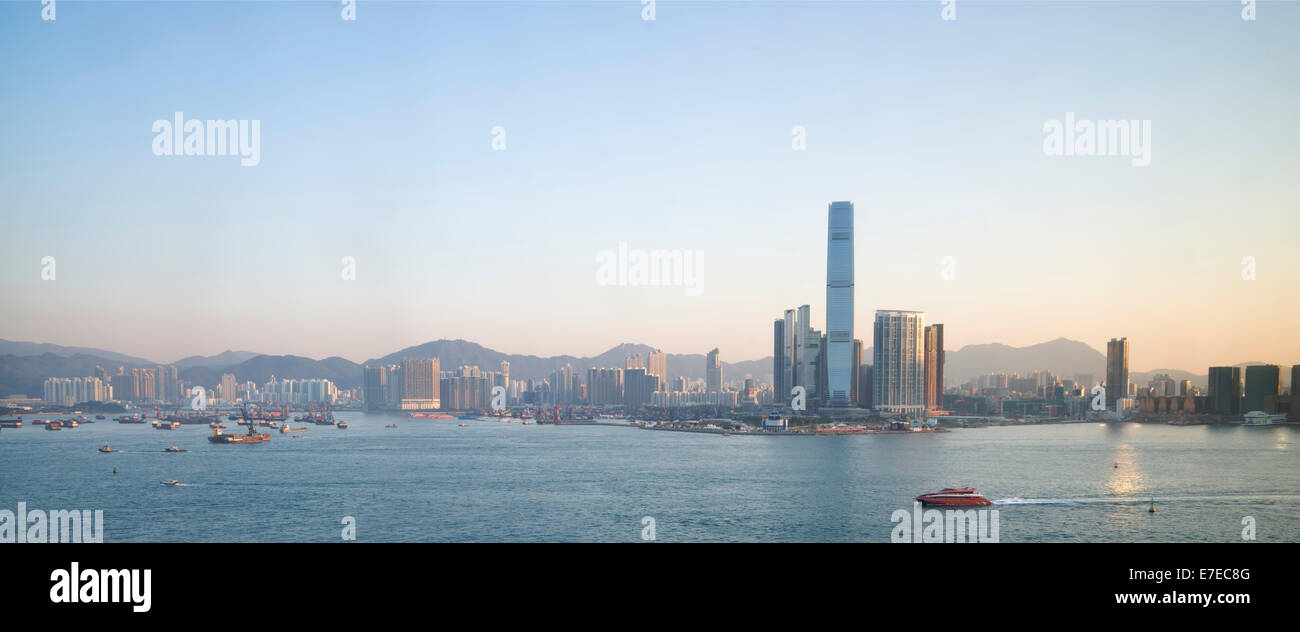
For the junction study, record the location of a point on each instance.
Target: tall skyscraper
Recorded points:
(779, 369)
(1262, 382)
(934, 366)
(420, 383)
(1116, 371)
(839, 303)
(713, 372)
(1295, 380)
(790, 353)
(898, 372)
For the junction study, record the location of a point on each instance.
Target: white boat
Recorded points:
(1261, 418)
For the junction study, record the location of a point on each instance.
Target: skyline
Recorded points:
(678, 137)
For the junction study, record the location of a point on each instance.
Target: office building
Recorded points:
(1117, 386)
(1262, 381)
(839, 304)
(713, 372)
(934, 367)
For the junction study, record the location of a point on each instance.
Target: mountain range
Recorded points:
(25, 365)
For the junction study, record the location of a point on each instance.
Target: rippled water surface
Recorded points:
(432, 480)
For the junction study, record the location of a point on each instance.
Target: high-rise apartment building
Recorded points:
(421, 383)
(657, 365)
(899, 362)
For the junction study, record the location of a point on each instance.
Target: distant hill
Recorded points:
(25, 375)
(454, 353)
(259, 369)
(1062, 357)
(225, 358)
(16, 348)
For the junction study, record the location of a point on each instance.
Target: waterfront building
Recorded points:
(420, 384)
(1262, 381)
(934, 360)
(780, 368)
(1117, 383)
(898, 353)
(839, 304)
(1225, 390)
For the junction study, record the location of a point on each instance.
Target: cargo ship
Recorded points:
(253, 436)
(954, 496)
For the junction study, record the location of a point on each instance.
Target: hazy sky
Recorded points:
(376, 143)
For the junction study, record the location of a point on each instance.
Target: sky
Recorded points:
(377, 143)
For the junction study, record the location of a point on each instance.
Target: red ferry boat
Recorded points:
(954, 496)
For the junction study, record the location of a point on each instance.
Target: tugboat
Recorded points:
(954, 496)
(106, 449)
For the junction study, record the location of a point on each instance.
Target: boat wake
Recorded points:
(1058, 501)
(1142, 500)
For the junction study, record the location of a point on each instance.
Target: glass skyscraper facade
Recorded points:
(839, 304)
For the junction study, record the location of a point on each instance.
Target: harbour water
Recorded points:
(433, 480)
